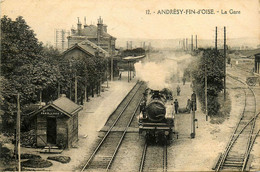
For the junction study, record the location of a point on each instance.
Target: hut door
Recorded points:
(51, 130)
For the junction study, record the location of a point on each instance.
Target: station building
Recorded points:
(96, 34)
(91, 41)
(56, 124)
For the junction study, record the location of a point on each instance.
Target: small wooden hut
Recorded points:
(57, 123)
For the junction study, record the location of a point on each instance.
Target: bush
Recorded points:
(30, 156)
(36, 163)
(62, 159)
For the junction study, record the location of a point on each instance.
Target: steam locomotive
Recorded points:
(156, 119)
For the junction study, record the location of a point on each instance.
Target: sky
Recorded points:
(128, 19)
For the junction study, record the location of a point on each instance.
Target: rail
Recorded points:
(122, 137)
(235, 136)
(144, 154)
(112, 126)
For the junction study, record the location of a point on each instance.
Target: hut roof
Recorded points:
(62, 104)
(66, 104)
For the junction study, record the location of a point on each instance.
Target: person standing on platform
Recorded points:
(176, 106)
(178, 90)
(183, 80)
(120, 75)
(188, 107)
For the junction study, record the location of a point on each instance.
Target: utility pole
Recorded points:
(183, 44)
(130, 64)
(40, 96)
(216, 39)
(187, 44)
(18, 131)
(112, 76)
(62, 39)
(206, 90)
(191, 43)
(58, 89)
(196, 42)
(224, 63)
(128, 71)
(76, 89)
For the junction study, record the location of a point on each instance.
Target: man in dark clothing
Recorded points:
(183, 80)
(188, 107)
(178, 90)
(176, 106)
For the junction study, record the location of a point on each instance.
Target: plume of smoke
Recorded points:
(157, 75)
(161, 74)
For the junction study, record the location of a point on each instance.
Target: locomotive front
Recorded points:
(156, 119)
(155, 108)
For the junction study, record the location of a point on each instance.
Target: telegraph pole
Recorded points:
(216, 39)
(191, 42)
(58, 89)
(128, 71)
(224, 63)
(187, 44)
(76, 89)
(18, 131)
(196, 42)
(206, 90)
(112, 68)
(130, 65)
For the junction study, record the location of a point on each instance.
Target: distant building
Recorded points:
(96, 34)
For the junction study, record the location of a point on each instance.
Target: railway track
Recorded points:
(237, 151)
(154, 158)
(106, 150)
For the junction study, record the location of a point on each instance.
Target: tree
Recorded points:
(213, 61)
(24, 66)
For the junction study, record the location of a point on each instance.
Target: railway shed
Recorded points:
(56, 124)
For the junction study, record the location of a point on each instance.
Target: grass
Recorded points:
(224, 111)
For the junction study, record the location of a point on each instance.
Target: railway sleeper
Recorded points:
(232, 165)
(98, 164)
(235, 159)
(233, 162)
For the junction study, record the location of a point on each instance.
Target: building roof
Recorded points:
(64, 105)
(248, 53)
(90, 31)
(89, 48)
(92, 47)
(132, 58)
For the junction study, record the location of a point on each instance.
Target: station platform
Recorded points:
(91, 120)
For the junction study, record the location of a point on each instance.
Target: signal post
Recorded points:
(193, 120)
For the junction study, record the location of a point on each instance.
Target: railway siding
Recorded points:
(237, 151)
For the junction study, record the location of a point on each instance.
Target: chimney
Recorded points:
(73, 30)
(85, 22)
(99, 30)
(79, 27)
(105, 28)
